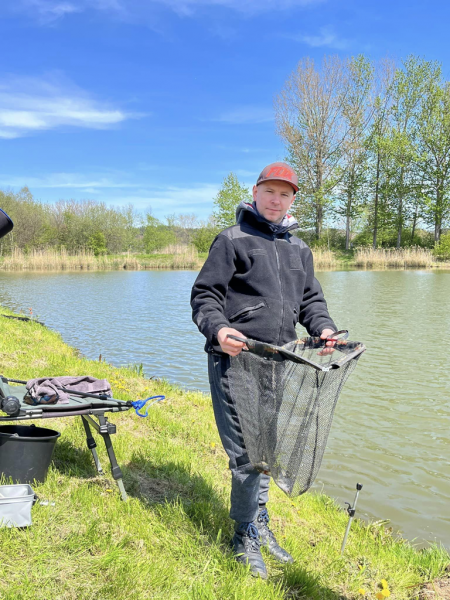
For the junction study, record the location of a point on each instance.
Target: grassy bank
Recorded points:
(170, 540)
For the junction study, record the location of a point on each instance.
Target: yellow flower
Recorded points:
(385, 593)
(380, 596)
(213, 445)
(362, 591)
(384, 584)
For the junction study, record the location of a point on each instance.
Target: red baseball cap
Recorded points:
(279, 171)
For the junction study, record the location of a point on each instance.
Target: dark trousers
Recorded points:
(249, 487)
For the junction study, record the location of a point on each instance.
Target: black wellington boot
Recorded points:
(268, 539)
(246, 548)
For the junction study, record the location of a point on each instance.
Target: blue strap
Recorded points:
(137, 404)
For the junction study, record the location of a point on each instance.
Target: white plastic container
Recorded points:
(15, 505)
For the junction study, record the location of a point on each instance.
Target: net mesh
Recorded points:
(286, 408)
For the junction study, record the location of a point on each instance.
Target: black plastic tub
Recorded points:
(26, 452)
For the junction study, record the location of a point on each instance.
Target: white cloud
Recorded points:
(30, 104)
(75, 181)
(247, 114)
(188, 7)
(325, 37)
(50, 11)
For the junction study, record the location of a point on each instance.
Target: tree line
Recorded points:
(91, 225)
(371, 145)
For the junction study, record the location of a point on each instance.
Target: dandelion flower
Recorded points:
(385, 593)
(384, 584)
(380, 596)
(362, 591)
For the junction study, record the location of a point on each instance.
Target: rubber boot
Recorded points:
(268, 539)
(246, 548)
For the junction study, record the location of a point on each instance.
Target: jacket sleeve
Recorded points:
(210, 289)
(313, 309)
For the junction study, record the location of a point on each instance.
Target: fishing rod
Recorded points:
(351, 509)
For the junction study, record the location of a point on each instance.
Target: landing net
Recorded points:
(285, 398)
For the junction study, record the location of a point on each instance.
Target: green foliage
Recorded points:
(157, 235)
(227, 200)
(97, 243)
(204, 237)
(442, 250)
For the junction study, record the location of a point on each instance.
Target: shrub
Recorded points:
(442, 250)
(204, 237)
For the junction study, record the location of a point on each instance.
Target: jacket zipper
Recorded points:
(281, 290)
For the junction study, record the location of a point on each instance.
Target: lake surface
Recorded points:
(391, 431)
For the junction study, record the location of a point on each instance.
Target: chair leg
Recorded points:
(105, 430)
(92, 445)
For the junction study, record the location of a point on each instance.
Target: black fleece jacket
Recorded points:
(259, 282)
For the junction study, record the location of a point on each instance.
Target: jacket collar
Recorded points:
(247, 212)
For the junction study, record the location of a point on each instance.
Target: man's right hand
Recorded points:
(229, 346)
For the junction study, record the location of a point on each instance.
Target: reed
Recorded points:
(188, 259)
(324, 259)
(402, 258)
(174, 249)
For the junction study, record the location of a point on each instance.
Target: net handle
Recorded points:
(238, 339)
(342, 334)
(252, 345)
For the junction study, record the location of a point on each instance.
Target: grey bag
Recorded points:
(15, 505)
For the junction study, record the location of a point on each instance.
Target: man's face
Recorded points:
(273, 199)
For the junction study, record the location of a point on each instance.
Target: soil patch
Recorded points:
(436, 590)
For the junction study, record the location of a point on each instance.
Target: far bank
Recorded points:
(187, 257)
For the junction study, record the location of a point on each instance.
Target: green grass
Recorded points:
(170, 540)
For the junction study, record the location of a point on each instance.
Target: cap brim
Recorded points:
(279, 179)
(6, 224)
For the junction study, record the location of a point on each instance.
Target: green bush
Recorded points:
(157, 237)
(442, 250)
(204, 237)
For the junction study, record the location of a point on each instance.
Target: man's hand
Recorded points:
(329, 345)
(229, 346)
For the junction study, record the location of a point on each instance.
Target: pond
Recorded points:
(391, 430)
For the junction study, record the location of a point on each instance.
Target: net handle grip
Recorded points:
(333, 337)
(238, 339)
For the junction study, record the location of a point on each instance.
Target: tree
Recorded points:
(410, 84)
(357, 113)
(227, 200)
(309, 120)
(433, 129)
(376, 145)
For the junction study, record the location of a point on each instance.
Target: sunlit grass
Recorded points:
(381, 258)
(171, 539)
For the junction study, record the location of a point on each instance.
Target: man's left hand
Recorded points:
(329, 346)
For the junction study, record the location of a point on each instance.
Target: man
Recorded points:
(257, 282)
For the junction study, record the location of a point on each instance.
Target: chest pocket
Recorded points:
(295, 262)
(255, 251)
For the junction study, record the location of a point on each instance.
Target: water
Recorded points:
(391, 428)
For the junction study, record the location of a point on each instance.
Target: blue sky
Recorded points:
(154, 102)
